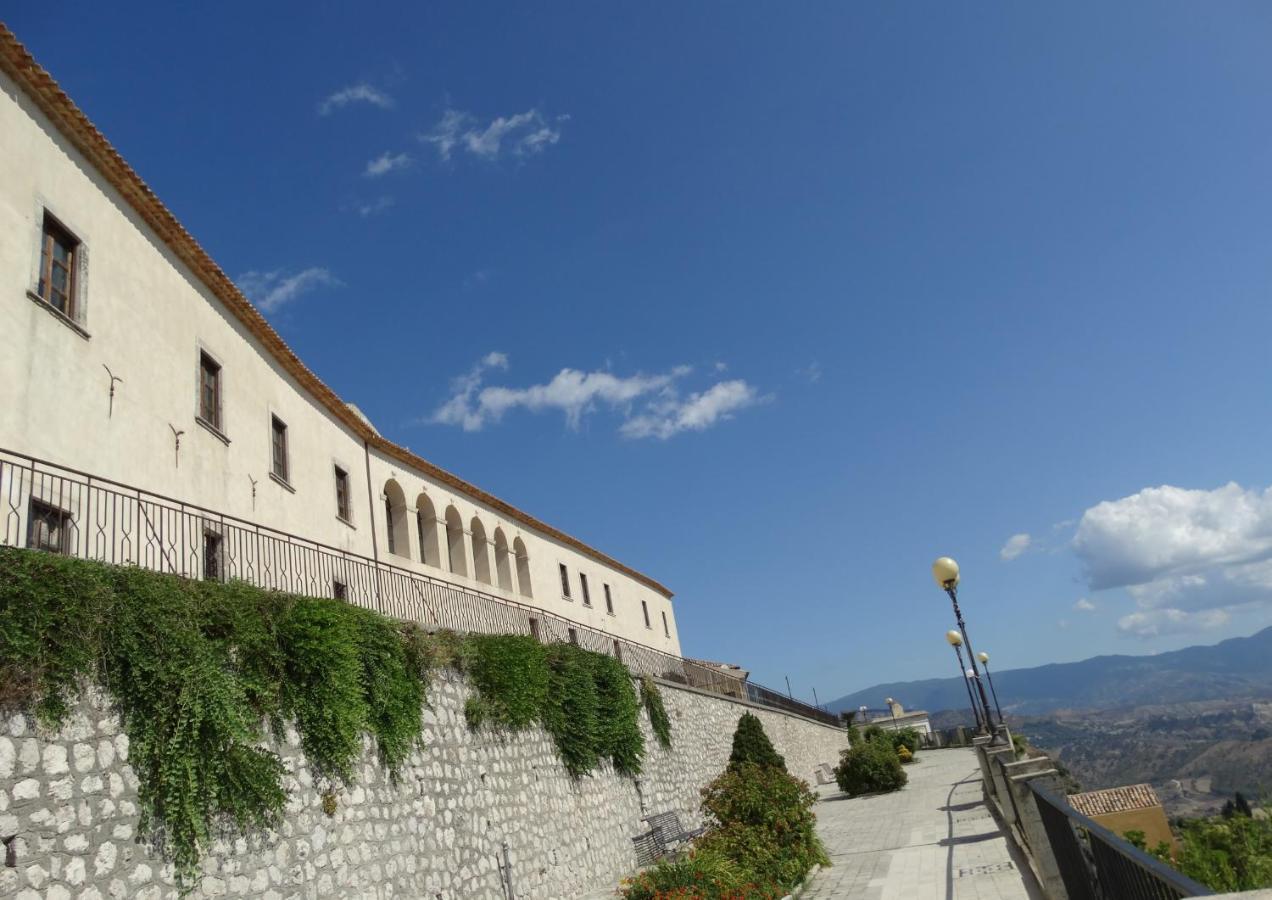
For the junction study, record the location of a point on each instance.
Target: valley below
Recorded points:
(1196, 755)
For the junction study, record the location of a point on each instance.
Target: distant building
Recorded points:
(1134, 807)
(896, 718)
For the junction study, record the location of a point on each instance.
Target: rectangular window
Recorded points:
(211, 556)
(339, 590)
(58, 250)
(609, 601)
(618, 650)
(644, 608)
(534, 629)
(48, 528)
(587, 595)
(565, 580)
(342, 494)
(278, 447)
(210, 391)
(666, 630)
(574, 636)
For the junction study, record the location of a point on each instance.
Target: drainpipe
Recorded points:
(375, 543)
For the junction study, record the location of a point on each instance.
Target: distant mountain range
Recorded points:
(1236, 668)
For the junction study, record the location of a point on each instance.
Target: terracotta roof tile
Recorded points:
(1118, 799)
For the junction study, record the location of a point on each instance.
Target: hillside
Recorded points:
(1196, 754)
(1231, 669)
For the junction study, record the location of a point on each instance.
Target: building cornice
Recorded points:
(18, 63)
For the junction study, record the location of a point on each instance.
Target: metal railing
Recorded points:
(1096, 864)
(55, 508)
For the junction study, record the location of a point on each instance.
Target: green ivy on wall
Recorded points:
(201, 672)
(585, 700)
(651, 699)
(197, 672)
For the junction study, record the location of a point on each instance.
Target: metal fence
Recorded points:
(53, 508)
(1096, 864)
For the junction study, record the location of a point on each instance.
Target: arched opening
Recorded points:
(455, 541)
(503, 561)
(426, 526)
(395, 519)
(523, 567)
(481, 552)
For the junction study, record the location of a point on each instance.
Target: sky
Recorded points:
(775, 303)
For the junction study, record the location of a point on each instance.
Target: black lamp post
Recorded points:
(945, 571)
(892, 709)
(955, 640)
(984, 658)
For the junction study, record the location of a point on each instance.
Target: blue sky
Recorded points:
(841, 288)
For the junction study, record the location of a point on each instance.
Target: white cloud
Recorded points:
(1016, 545)
(697, 412)
(1085, 605)
(1188, 558)
(371, 208)
(662, 413)
(811, 372)
(1157, 622)
(386, 163)
(271, 290)
(523, 134)
(355, 93)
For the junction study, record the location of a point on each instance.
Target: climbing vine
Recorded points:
(201, 673)
(198, 671)
(585, 700)
(651, 699)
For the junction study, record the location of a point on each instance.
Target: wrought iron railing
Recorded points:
(55, 508)
(1096, 864)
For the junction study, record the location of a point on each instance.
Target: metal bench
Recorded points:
(648, 848)
(671, 834)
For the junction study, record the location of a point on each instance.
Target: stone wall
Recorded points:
(71, 799)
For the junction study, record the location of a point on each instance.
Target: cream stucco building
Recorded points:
(151, 415)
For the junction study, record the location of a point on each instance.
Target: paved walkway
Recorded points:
(933, 840)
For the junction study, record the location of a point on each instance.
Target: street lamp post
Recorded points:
(945, 571)
(892, 709)
(984, 658)
(955, 640)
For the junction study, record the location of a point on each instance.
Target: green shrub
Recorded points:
(907, 738)
(702, 875)
(868, 768)
(752, 745)
(651, 699)
(873, 732)
(762, 818)
(1227, 854)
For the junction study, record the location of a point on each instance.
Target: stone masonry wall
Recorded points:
(71, 800)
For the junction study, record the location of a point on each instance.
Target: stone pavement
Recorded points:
(933, 840)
